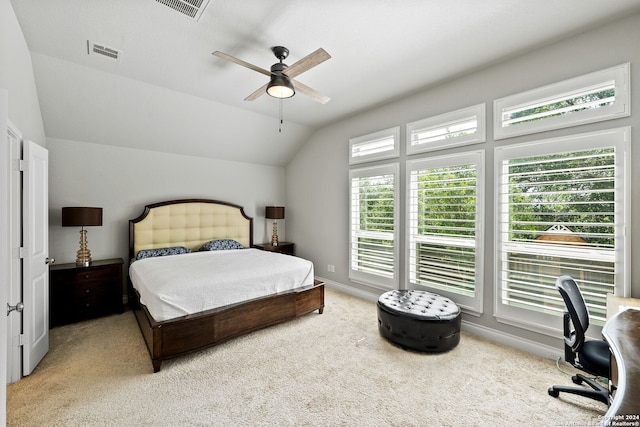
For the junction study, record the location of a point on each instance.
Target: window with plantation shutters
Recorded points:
(444, 220)
(561, 211)
(601, 95)
(373, 211)
(375, 146)
(461, 127)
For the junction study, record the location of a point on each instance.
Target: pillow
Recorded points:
(221, 244)
(150, 253)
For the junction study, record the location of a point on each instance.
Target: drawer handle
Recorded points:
(87, 290)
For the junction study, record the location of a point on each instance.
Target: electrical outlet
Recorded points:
(331, 268)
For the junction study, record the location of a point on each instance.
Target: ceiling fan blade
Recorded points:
(257, 94)
(306, 90)
(241, 62)
(309, 61)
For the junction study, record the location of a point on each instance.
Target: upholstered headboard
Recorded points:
(189, 223)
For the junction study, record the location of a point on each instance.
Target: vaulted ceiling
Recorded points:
(167, 92)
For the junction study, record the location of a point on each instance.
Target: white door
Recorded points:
(4, 250)
(14, 289)
(35, 291)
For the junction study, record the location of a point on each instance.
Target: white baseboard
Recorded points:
(514, 341)
(360, 293)
(500, 337)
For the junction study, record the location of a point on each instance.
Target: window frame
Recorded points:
(393, 132)
(443, 120)
(369, 279)
(619, 75)
(619, 138)
(470, 304)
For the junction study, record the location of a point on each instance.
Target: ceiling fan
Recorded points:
(282, 83)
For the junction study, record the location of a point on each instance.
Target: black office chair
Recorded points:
(592, 355)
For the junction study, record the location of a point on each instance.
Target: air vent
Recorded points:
(103, 51)
(191, 8)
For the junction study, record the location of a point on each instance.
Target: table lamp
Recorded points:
(82, 217)
(275, 213)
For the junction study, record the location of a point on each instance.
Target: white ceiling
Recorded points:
(168, 93)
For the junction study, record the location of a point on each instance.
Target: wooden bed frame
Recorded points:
(190, 223)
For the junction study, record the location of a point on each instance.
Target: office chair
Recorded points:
(592, 355)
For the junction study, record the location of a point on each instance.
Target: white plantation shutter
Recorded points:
(445, 217)
(561, 211)
(373, 252)
(375, 146)
(597, 96)
(461, 127)
(601, 95)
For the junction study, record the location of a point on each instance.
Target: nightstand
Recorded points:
(283, 247)
(79, 293)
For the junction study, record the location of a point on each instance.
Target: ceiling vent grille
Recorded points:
(104, 51)
(192, 8)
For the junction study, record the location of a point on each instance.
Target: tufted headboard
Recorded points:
(190, 223)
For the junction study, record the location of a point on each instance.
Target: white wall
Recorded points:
(122, 181)
(16, 75)
(18, 103)
(317, 178)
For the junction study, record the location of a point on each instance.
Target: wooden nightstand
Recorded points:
(283, 247)
(78, 293)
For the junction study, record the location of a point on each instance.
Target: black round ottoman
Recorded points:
(419, 320)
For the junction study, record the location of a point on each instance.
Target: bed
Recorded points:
(190, 224)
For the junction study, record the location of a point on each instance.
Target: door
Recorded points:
(35, 290)
(4, 249)
(14, 290)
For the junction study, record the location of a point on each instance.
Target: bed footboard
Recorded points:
(187, 334)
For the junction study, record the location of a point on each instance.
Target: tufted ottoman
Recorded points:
(419, 320)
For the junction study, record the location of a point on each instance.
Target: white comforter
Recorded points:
(177, 285)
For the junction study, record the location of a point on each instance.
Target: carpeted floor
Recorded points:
(322, 370)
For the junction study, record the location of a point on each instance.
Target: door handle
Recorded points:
(18, 307)
(49, 260)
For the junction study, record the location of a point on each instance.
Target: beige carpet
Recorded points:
(322, 370)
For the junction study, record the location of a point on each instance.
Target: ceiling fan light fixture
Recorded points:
(281, 87)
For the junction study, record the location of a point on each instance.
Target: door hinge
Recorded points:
(21, 165)
(21, 252)
(20, 340)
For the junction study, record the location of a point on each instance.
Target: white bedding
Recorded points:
(177, 285)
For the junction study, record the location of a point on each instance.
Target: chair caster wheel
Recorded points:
(553, 393)
(576, 379)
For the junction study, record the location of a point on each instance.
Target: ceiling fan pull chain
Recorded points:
(281, 121)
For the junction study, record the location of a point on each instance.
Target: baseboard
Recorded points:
(514, 341)
(500, 337)
(360, 293)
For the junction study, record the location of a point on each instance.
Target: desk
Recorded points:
(622, 333)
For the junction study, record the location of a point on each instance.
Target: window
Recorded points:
(375, 146)
(602, 95)
(445, 226)
(561, 210)
(373, 256)
(461, 127)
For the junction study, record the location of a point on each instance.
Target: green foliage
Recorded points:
(575, 189)
(560, 107)
(447, 201)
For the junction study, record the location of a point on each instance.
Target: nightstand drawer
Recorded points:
(89, 292)
(101, 273)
